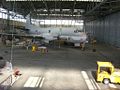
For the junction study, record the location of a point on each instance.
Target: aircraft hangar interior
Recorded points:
(59, 44)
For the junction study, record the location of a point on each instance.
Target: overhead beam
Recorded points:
(59, 17)
(73, 6)
(94, 8)
(56, 0)
(46, 5)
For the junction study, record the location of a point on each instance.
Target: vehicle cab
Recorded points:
(106, 73)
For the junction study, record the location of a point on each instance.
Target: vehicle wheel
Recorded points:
(106, 81)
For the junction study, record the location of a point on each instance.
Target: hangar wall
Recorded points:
(4, 24)
(106, 29)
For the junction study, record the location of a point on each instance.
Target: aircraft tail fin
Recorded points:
(28, 21)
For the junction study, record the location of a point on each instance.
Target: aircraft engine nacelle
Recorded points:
(48, 37)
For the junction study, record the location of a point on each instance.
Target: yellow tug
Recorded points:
(106, 73)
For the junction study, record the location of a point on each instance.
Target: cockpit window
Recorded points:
(76, 31)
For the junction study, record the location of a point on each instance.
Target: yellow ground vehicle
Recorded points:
(106, 73)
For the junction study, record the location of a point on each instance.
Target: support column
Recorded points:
(7, 27)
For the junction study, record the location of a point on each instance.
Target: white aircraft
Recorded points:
(52, 33)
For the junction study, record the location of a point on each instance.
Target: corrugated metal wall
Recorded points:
(106, 29)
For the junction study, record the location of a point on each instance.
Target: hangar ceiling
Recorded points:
(59, 9)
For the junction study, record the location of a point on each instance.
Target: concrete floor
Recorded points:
(61, 69)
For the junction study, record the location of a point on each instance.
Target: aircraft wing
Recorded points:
(20, 35)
